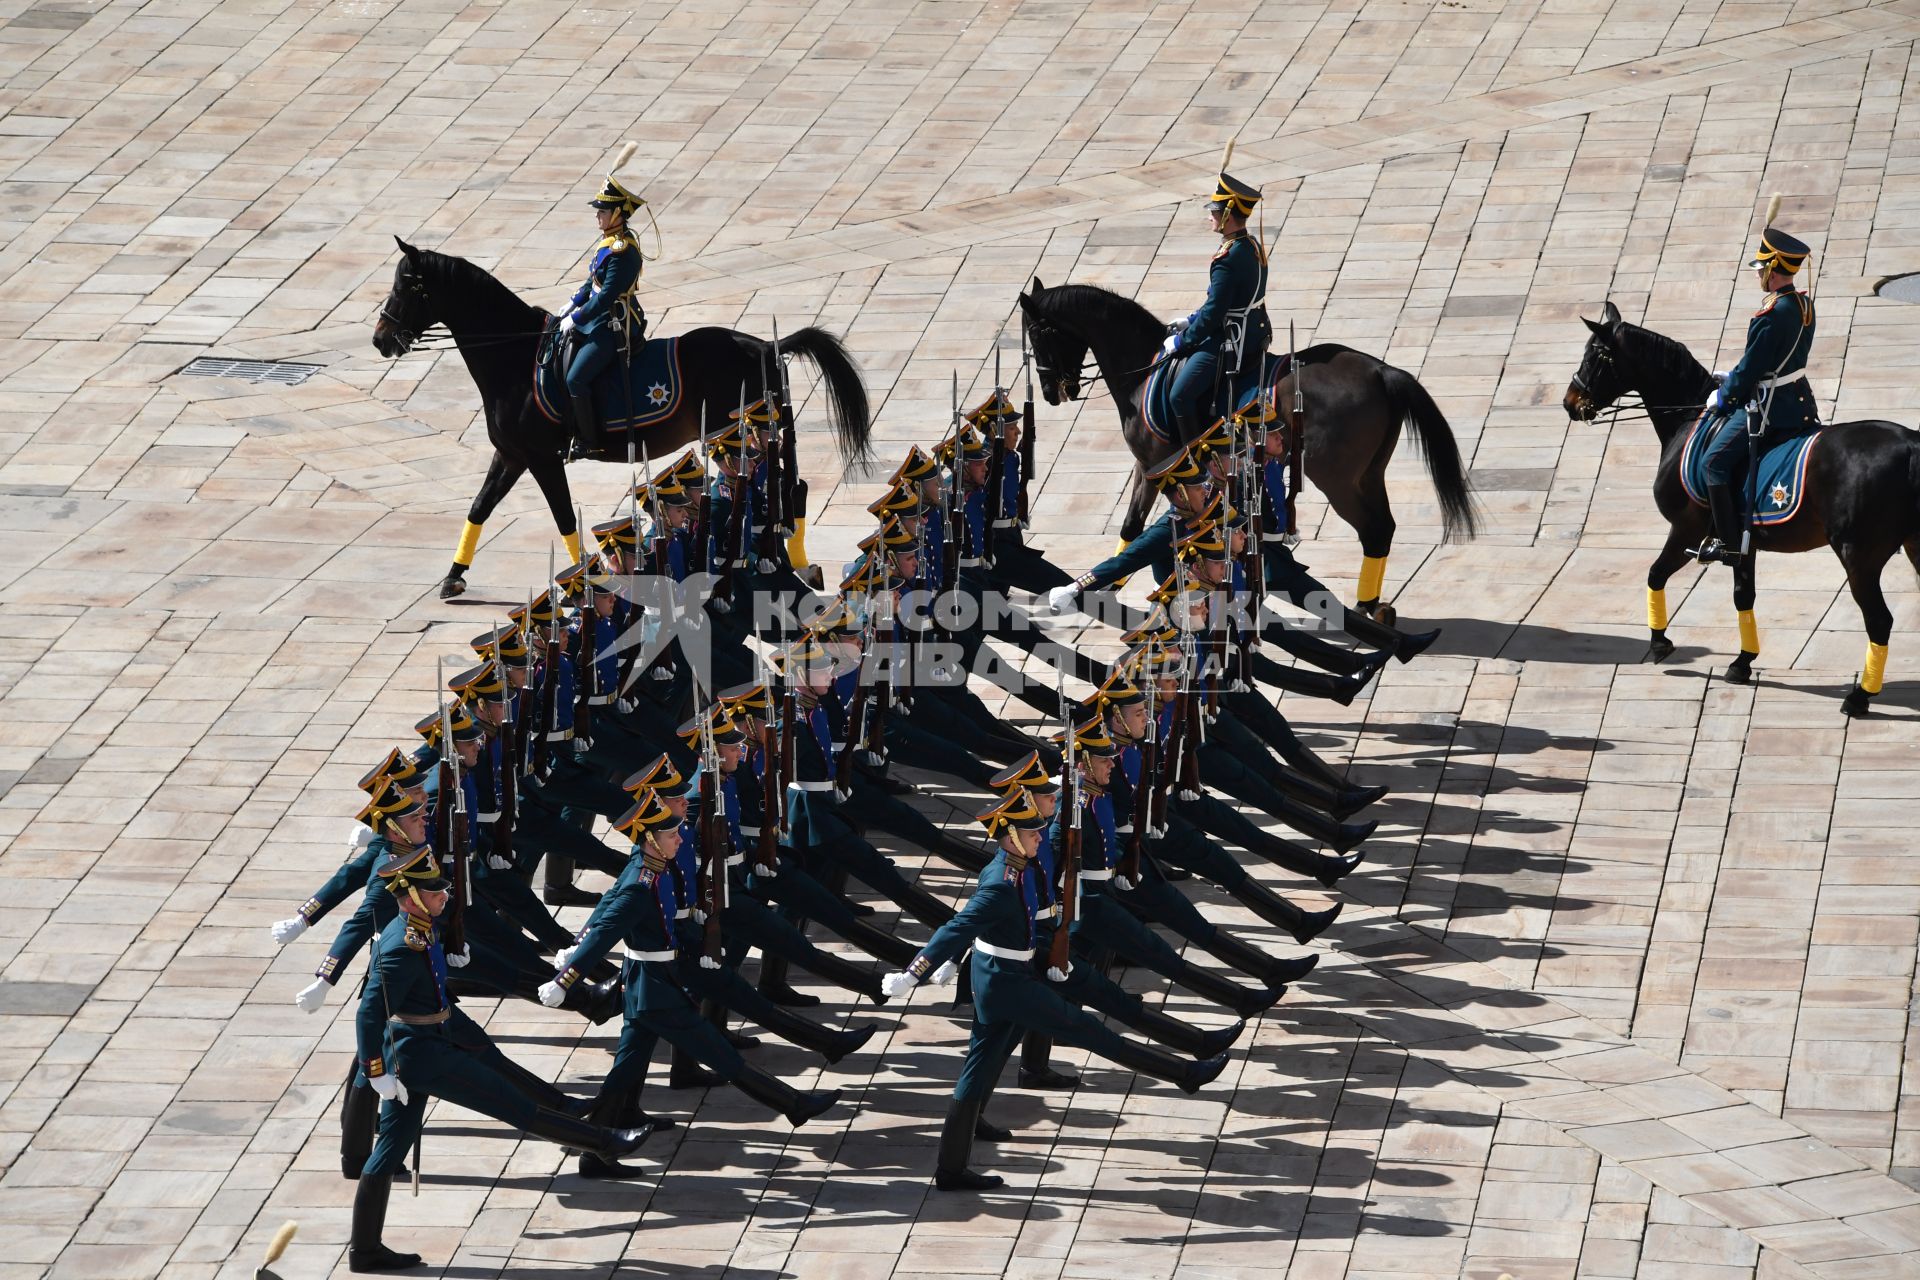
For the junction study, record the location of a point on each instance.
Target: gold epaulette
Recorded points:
(615, 243)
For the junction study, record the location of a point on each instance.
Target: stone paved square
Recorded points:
(1624, 988)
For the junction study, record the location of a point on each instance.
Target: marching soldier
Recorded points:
(1770, 382)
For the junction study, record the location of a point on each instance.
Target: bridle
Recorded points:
(433, 336)
(409, 285)
(1628, 402)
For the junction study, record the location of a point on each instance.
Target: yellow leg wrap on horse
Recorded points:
(573, 547)
(1876, 668)
(1749, 632)
(797, 548)
(469, 543)
(1119, 545)
(1656, 609)
(1373, 574)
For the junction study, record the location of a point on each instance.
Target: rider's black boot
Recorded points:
(586, 427)
(1724, 546)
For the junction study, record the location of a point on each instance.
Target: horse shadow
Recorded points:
(1532, 642)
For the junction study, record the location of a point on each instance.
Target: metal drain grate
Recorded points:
(283, 372)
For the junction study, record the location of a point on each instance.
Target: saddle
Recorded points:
(628, 395)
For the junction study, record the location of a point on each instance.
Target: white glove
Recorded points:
(564, 960)
(708, 962)
(389, 1089)
(626, 706)
(944, 974)
(1167, 347)
(552, 994)
(357, 839)
(459, 959)
(1180, 325)
(763, 870)
(767, 565)
(566, 323)
(1064, 599)
(895, 985)
(581, 746)
(1189, 796)
(1720, 376)
(842, 796)
(499, 863)
(285, 931)
(1055, 975)
(1717, 402)
(1123, 883)
(312, 996)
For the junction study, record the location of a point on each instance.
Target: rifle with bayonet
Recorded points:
(1028, 449)
(733, 547)
(586, 664)
(773, 742)
(1149, 766)
(1060, 951)
(550, 682)
(857, 711)
(453, 809)
(713, 837)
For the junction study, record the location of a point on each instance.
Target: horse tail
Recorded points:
(1458, 519)
(847, 407)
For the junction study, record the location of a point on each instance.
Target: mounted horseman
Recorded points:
(605, 321)
(1764, 400)
(1229, 332)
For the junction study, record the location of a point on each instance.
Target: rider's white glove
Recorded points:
(1720, 376)
(285, 931)
(1180, 325)
(566, 324)
(459, 959)
(357, 839)
(552, 994)
(1173, 341)
(1717, 402)
(944, 974)
(312, 996)
(389, 1089)
(1064, 599)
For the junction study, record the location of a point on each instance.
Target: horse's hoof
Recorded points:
(1659, 648)
(451, 587)
(1856, 704)
(1740, 670)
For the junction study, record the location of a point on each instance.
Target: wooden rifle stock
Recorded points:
(586, 668)
(1060, 951)
(767, 851)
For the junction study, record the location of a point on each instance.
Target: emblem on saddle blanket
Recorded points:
(651, 395)
(1778, 485)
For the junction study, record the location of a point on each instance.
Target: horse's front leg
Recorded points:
(1863, 578)
(1740, 670)
(502, 474)
(550, 473)
(1139, 503)
(1664, 566)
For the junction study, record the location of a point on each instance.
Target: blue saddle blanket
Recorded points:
(1156, 402)
(1778, 483)
(652, 392)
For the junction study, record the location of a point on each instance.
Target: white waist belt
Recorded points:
(1050, 913)
(969, 562)
(1011, 522)
(650, 957)
(736, 859)
(825, 784)
(601, 700)
(1096, 875)
(1002, 953)
(1798, 375)
(749, 831)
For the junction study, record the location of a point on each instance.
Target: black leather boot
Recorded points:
(595, 1001)
(1305, 926)
(1246, 1002)
(777, 1095)
(1404, 645)
(365, 1253)
(1275, 971)
(1036, 1067)
(586, 428)
(1724, 546)
(808, 1034)
(1184, 1037)
(583, 1136)
(885, 947)
(614, 1112)
(557, 888)
(844, 973)
(774, 986)
(1189, 1077)
(950, 1172)
(359, 1122)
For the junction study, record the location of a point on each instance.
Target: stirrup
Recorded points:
(1716, 551)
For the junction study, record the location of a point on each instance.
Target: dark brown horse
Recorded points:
(498, 335)
(1355, 407)
(1862, 489)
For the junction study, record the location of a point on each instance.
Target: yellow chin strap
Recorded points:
(1876, 669)
(1749, 632)
(1657, 608)
(469, 543)
(573, 545)
(1373, 575)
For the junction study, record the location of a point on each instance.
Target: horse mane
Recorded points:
(1660, 354)
(1069, 299)
(478, 286)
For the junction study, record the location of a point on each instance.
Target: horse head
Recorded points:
(1601, 378)
(406, 313)
(1058, 355)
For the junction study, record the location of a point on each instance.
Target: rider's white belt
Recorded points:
(1001, 953)
(650, 957)
(1798, 375)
